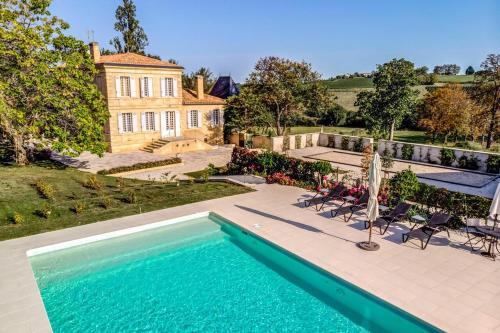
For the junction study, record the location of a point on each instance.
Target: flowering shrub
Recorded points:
(280, 178)
(357, 190)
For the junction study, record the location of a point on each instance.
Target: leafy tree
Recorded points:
(336, 115)
(133, 37)
(393, 98)
(47, 95)
(449, 69)
(469, 71)
(487, 92)
(189, 80)
(277, 91)
(448, 111)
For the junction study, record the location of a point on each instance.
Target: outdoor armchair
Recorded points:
(354, 205)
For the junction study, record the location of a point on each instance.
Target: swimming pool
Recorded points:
(200, 274)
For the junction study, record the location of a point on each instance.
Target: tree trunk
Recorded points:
(21, 157)
(492, 127)
(391, 134)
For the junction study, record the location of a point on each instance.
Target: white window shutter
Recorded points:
(177, 123)
(175, 87)
(162, 121)
(134, 122)
(132, 87)
(212, 118)
(221, 117)
(143, 121)
(200, 120)
(117, 86)
(119, 119)
(150, 86)
(141, 85)
(189, 119)
(157, 121)
(162, 87)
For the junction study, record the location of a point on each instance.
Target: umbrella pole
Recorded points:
(369, 246)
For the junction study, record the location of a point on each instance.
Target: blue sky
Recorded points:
(335, 36)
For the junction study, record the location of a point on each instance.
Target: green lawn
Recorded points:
(17, 194)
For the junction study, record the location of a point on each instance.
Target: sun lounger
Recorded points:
(398, 213)
(437, 223)
(354, 204)
(321, 198)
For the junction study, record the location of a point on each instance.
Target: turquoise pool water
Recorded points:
(203, 275)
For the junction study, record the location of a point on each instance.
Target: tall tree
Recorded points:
(487, 92)
(469, 71)
(280, 90)
(393, 98)
(449, 110)
(47, 95)
(133, 37)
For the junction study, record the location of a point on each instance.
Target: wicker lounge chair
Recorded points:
(437, 223)
(396, 215)
(354, 205)
(321, 198)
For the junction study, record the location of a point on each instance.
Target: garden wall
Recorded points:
(283, 143)
(470, 159)
(344, 142)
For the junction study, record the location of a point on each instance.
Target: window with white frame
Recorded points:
(125, 86)
(169, 87)
(146, 86)
(193, 120)
(216, 117)
(149, 121)
(127, 122)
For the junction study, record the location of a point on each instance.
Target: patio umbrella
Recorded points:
(372, 207)
(495, 206)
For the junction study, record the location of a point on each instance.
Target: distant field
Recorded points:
(355, 82)
(455, 78)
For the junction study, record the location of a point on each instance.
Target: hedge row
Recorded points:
(139, 166)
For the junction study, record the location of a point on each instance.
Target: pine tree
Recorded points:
(134, 38)
(469, 71)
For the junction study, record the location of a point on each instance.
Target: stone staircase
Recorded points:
(176, 145)
(157, 144)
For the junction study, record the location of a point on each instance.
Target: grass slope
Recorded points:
(355, 82)
(455, 78)
(17, 194)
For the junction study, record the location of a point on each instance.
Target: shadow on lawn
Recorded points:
(291, 222)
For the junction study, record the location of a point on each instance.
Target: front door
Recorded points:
(169, 123)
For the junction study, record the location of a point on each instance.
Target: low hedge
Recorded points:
(139, 166)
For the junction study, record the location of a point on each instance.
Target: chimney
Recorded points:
(95, 52)
(199, 87)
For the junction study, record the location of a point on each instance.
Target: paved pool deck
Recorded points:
(445, 285)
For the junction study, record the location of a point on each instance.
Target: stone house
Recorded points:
(150, 110)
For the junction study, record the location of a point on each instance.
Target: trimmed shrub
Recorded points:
(322, 167)
(404, 185)
(407, 152)
(493, 164)
(93, 183)
(139, 166)
(45, 211)
(470, 163)
(344, 144)
(106, 202)
(45, 190)
(16, 218)
(358, 146)
(78, 207)
(280, 178)
(447, 157)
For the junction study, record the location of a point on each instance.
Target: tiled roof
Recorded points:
(134, 59)
(189, 97)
